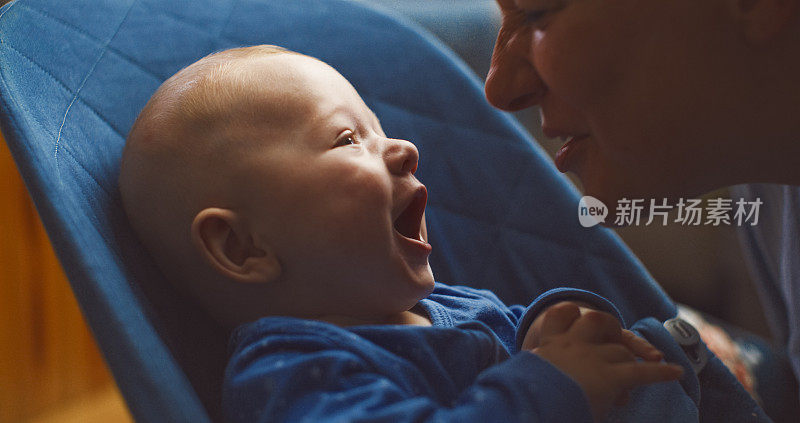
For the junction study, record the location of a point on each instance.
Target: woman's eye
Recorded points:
(346, 140)
(533, 17)
(539, 12)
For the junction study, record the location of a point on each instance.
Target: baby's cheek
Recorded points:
(371, 186)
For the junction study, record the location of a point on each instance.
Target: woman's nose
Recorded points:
(401, 157)
(512, 82)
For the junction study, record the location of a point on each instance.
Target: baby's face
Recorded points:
(335, 199)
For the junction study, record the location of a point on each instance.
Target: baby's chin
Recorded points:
(419, 288)
(424, 282)
(430, 282)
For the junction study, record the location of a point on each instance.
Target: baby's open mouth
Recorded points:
(409, 222)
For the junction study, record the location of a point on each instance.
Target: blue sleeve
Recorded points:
(313, 378)
(563, 294)
(723, 398)
(517, 311)
(445, 294)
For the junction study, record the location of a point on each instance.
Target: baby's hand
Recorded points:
(558, 318)
(591, 347)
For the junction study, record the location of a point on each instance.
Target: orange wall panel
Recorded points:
(47, 354)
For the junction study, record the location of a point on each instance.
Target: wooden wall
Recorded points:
(47, 355)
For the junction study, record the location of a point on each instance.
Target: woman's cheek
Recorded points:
(581, 59)
(561, 63)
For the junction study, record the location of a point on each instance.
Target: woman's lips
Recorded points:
(565, 155)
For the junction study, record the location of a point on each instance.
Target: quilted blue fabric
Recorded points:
(74, 75)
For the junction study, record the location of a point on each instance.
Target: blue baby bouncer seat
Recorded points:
(73, 77)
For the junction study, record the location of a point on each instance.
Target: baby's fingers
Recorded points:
(640, 346)
(557, 319)
(597, 327)
(638, 373)
(615, 353)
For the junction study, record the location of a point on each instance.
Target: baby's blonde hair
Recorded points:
(213, 89)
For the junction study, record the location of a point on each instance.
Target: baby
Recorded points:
(266, 189)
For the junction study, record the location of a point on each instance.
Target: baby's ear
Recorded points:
(225, 242)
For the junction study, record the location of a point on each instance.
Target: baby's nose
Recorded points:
(401, 157)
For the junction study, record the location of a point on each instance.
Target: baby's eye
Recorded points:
(345, 139)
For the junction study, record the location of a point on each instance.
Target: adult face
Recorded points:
(643, 92)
